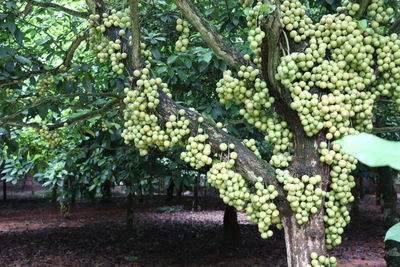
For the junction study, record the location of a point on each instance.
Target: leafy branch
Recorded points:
(61, 68)
(86, 116)
(210, 36)
(72, 12)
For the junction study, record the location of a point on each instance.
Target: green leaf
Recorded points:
(247, 10)
(87, 83)
(6, 51)
(207, 57)
(363, 24)
(171, 59)
(372, 150)
(23, 60)
(90, 132)
(393, 233)
(266, 7)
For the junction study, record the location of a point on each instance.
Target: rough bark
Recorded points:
(135, 55)
(232, 234)
(388, 198)
(301, 241)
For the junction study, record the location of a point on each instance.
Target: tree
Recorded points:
(304, 85)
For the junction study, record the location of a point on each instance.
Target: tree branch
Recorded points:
(66, 62)
(45, 100)
(394, 129)
(71, 50)
(248, 164)
(214, 41)
(363, 7)
(103, 110)
(74, 13)
(69, 121)
(136, 58)
(395, 28)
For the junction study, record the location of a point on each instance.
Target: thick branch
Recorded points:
(395, 28)
(248, 164)
(136, 59)
(363, 7)
(66, 62)
(214, 41)
(71, 50)
(84, 15)
(70, 121)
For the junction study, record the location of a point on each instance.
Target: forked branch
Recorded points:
(210, 36)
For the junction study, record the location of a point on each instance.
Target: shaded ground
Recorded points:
(33, 234)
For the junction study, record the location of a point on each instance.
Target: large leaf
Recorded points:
(393, 233)
(372, 150)
(23, 60)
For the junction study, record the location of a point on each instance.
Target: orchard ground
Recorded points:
(32, 233)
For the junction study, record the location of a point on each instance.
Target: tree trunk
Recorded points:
(65, 205)
(106, 191)
(388, 198)
(54, 196)
(179, 194)
(4, 190)
(301, 241)
(170, 191)
(232, 234)
(32, 184)
(358, 195)
(141, 197)
(196, 193)
(129, 207)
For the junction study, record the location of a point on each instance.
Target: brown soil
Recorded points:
(34, 234)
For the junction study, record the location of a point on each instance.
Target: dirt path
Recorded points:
(96, 236)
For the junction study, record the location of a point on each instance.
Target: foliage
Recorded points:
(375, 152)
(393, 233)
(372, 150)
